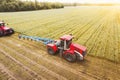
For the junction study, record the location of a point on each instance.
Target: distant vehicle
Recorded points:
(4, 30)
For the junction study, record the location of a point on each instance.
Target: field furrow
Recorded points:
(96, 27)
(6, 73)
(26, 50)
(31, 72)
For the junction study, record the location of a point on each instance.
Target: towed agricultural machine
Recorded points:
(5, 30)
(70, 51)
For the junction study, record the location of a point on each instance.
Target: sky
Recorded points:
(81, 1)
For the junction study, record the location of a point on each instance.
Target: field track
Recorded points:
(28, 60)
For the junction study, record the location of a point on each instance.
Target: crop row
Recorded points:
(97, 28)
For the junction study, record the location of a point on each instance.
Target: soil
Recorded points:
(37, 64)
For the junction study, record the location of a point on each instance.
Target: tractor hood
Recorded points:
(6, 28)
(79, 48)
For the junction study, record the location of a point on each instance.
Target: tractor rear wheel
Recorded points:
(51, 51)
(1, 33)
(70, 57)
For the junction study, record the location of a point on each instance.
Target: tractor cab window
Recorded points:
(65, 44)
(68, 43)
(62, 43)
(2, 24)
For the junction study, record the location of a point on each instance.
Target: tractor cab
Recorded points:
(2, 24)
(65, 41)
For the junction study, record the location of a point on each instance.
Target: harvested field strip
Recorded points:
(27, 48)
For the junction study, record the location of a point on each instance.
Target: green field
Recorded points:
(97, 28)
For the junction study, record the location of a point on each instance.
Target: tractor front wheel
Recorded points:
(11, 31)
(51, 51)
(1, 33)
(70, 57)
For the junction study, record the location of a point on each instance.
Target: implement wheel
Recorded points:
(70, 57)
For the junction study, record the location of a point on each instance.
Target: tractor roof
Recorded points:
(66, 37)
(1, 22)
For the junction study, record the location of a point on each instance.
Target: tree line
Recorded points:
(17, 5)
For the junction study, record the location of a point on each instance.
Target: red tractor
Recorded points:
(70, 51)
(5, 30)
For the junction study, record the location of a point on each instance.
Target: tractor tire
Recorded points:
(70, 57)
(1, 33)
(51, 51)
(12, 31)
